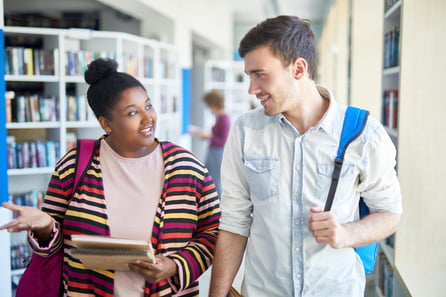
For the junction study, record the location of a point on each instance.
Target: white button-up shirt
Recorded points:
(272, 176)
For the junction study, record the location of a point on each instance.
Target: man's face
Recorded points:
(272, 82)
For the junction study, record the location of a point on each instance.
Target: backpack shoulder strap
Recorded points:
(354, 123)
(85, 153)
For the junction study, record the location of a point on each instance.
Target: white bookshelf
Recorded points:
(154, 63)
(387, 280)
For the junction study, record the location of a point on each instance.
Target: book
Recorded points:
(9, 96)
(111, 253)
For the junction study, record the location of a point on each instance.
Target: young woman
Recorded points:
(136, 187)
(218, 135)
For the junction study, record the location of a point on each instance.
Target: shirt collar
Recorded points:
(327, 122)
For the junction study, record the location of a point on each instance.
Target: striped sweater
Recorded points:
(185, 226)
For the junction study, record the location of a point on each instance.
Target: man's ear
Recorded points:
(299, 66)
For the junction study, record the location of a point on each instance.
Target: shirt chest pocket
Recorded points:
(347, 184)
(263, 177)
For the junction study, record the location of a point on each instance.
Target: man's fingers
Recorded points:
(316, 209)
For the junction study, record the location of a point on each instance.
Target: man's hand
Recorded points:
(326, 228)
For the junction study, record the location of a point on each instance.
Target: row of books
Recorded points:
(36, 108)
(20, 250)
(65, 20)
(392, 48)
(32, 154)
(31, 108)
(34, 61)
(78, 109)
(168, 104)
(148, 67)
(166, 69)
(30, 61)
(20, 253)
(31, 198)
(219, 75)
(77, 61)
(390, 109)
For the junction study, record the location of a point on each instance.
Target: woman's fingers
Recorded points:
(12, 206)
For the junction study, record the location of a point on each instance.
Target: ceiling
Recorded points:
(254, 11)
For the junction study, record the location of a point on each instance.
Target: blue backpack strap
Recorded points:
(354, 123)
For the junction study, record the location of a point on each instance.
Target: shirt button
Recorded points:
(297, 250)
(298, 276)
(299, 139)
(298, 167)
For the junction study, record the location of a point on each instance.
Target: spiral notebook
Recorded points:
(111, 253)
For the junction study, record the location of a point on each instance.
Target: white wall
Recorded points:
(366, 55)
(334, 51)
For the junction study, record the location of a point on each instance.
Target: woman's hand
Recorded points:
(164, 268)
(28, 218)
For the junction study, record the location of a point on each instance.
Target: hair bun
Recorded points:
(99, 69)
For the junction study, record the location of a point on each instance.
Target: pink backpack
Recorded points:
(43, 276)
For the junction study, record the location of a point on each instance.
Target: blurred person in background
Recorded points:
(215, 101)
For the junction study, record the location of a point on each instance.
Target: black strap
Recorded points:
(334, 184)
(354, 123)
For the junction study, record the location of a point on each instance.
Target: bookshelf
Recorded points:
(416, 266)
(387, 281)
(391, 66)
(46, 107)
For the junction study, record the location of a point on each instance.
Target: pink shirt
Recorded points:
(132, 191)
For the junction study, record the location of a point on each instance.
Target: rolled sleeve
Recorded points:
(236, 205)
(381, 189)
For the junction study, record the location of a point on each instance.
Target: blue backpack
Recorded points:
(354, 123)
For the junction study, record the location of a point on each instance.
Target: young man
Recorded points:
(276, 173)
